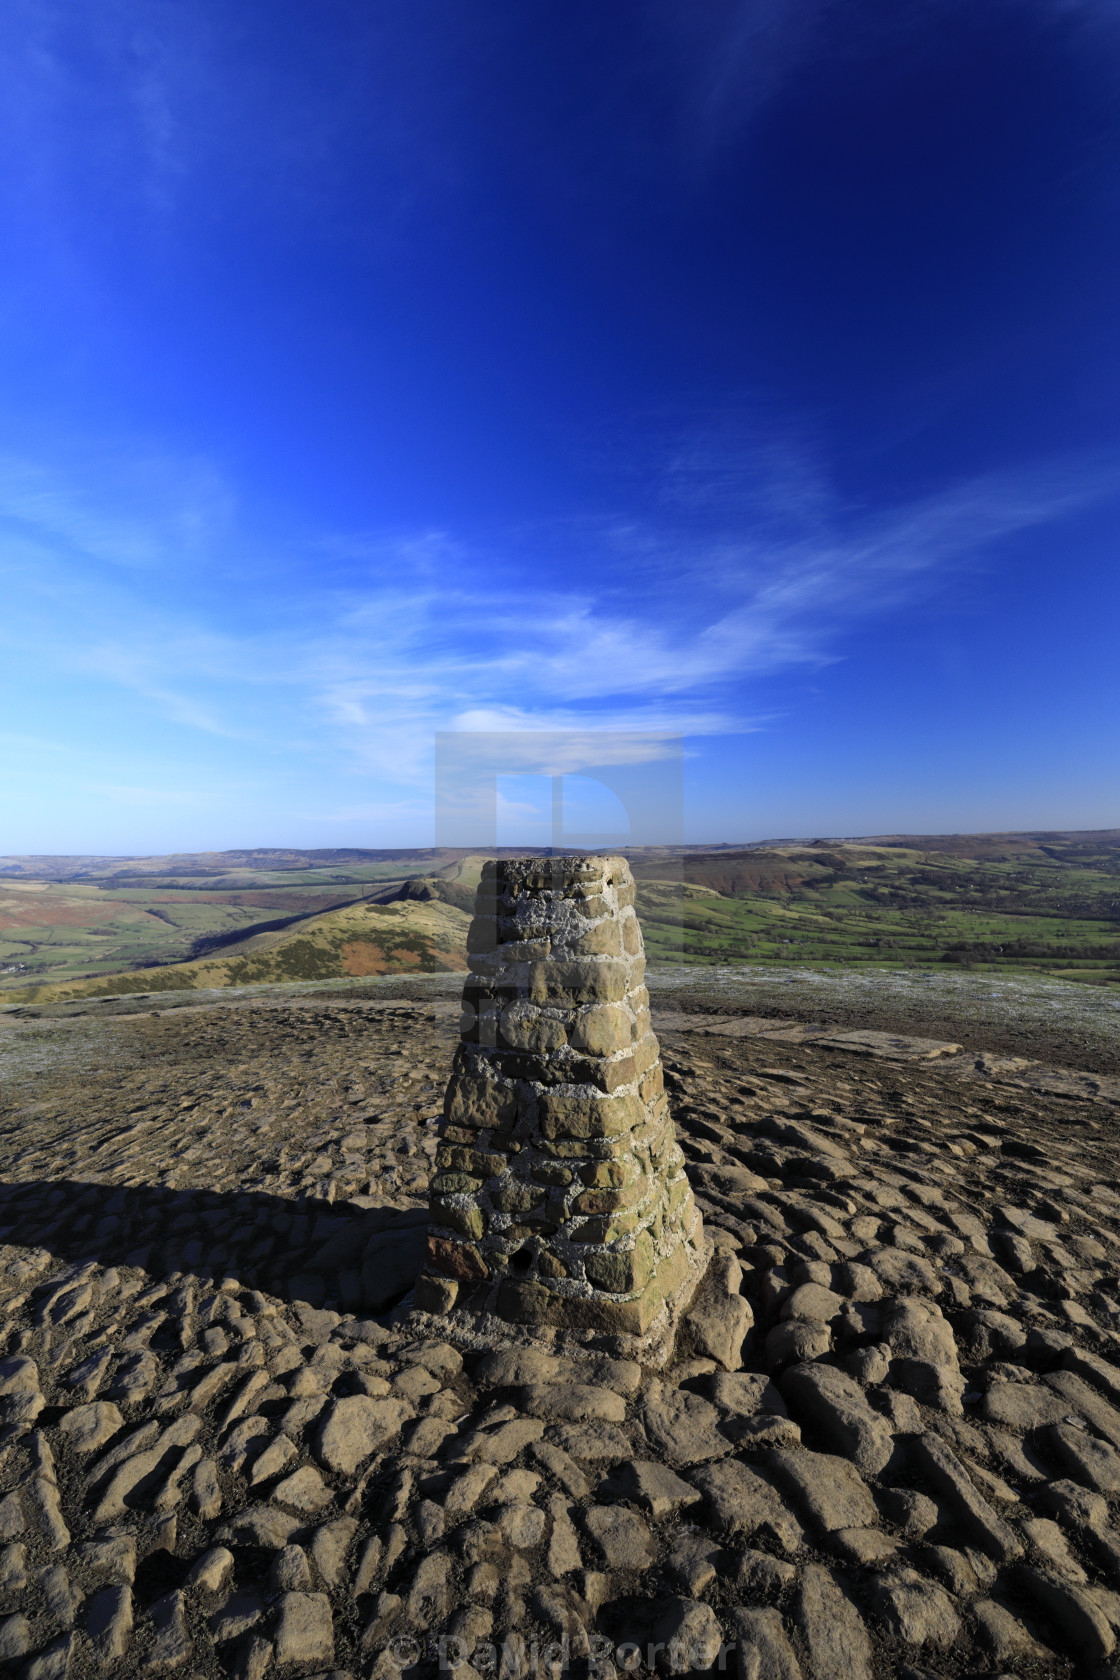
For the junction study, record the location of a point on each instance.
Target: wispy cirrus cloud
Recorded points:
(124, 507)
(351, 651)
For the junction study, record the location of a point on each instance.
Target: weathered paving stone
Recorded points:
(862, 1545)
(502, 1445)
(911, 1214)
(356, 1427)
(522, 1526)
(513, 1367)
(1097, 1371)
(329, 1547)
(12, 1521)
(719, 1319)
(695, 1561)
(1082, 1400)
(834, 1633)
(54, 1662)
(1072, 1609)
(746, 1394)
(812, 1303)
(429, 1597)
(304, 1490)
(1048, 1546)
(761, 1573)
(684, 1427)
(304, 1631)
(689, 1637)
(837, 1404)
(466, 1490)
(795, 1342)
(592, 1442)
(13, 1567)
(1023, 1406)
(242, 1610)
(172, 1645)
(564, 1553)
(59, 1595)
(1096, 1463)
(1004, 1635)
(111, 1557)
(276, 1457)
(40, 1497)
(656, 1488)
(206, 1493)
(562, 1466)
(743, 1502)
(828, 1489)
(950, 1479)
(1075, 1506)
(572, 1402)
(87, 1428)
(763, 1634)
(915, 1610)
(622, 1536)
(260, 1525)
(211, 1572)
(108, 1622)
(15, 1637)
(142, 1475)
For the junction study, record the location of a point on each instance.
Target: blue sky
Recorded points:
(747, 371)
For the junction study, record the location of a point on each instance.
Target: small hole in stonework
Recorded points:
(521, 1261)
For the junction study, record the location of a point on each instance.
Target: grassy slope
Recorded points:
(1053, 911)
(407, 937)
(73, 930)
(96, 917)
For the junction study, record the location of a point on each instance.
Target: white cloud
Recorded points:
(529, 746)
(660, 629)
(117, 506)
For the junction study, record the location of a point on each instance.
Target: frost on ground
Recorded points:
(1056, 1021)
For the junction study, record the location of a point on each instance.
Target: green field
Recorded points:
(1051, 906)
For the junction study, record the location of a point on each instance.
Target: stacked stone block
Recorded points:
(559, 1196)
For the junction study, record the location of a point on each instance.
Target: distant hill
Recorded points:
(410, 936)
(71, 924)
(1063, 844)
(1048, 903)
(386, 863)
(1047, 900)
(258, 860)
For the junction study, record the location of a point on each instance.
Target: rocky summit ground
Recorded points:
(226, 1448)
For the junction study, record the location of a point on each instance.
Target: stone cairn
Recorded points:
(560, 1197)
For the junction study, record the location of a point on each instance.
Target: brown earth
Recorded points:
(228, 1449)
(360, 958)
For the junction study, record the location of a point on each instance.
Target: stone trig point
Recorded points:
(560, 1197)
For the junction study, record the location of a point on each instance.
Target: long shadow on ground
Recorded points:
(357, 1260)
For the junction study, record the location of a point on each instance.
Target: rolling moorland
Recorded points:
(1046, 904)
